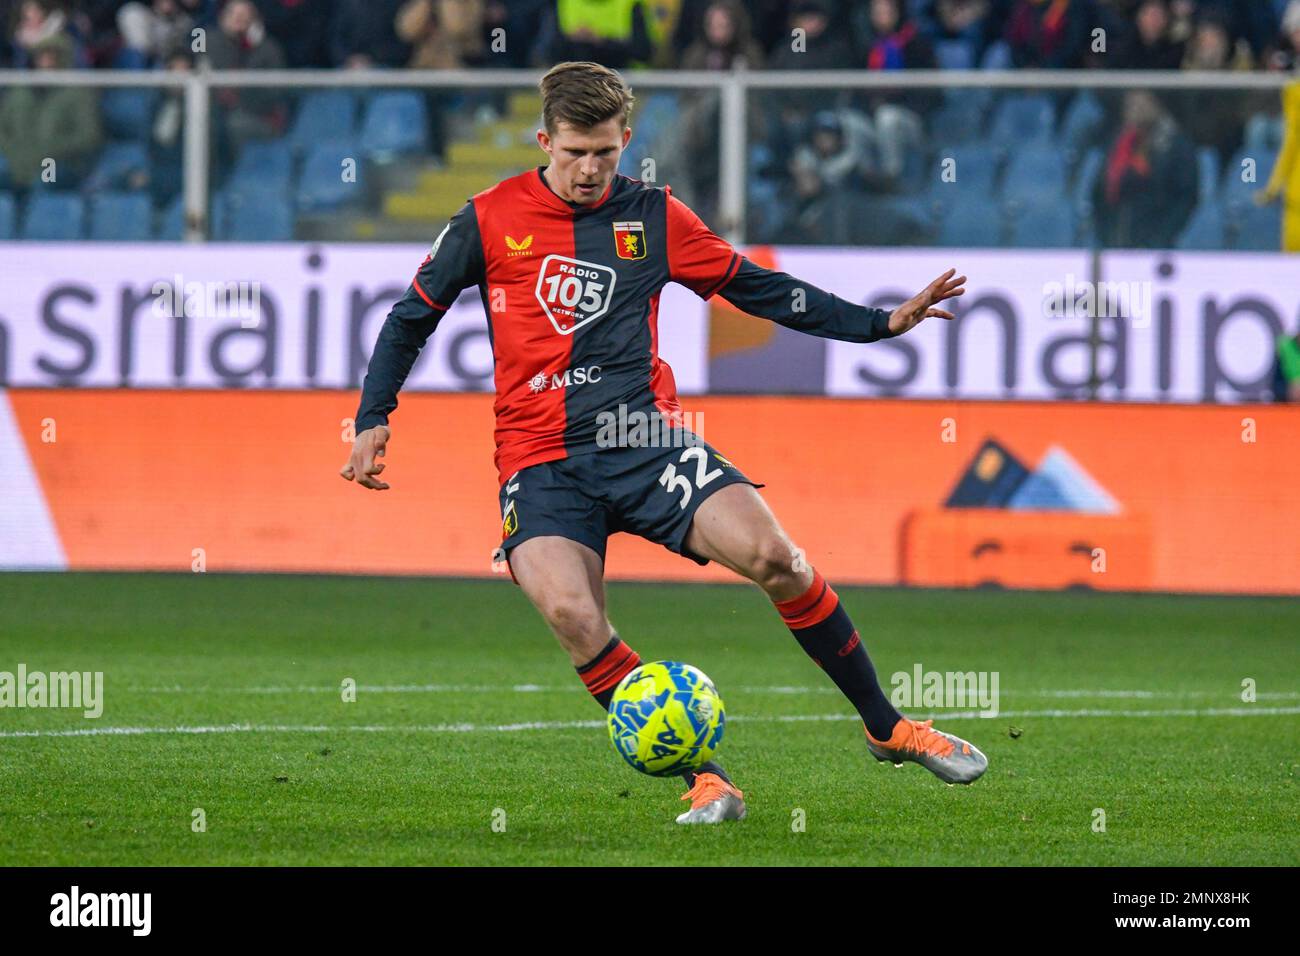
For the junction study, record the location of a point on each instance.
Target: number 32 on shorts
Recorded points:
(672, 481)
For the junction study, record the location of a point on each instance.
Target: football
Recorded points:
(665, 718)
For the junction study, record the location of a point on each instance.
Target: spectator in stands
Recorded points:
(964, 23)
(1211, 47)
(1285, 53)
(1049, 34)
(302, 28)
(815, 46)
(614, 33)
(59, 123)
(894, 42)
(167, 137)
(241, 43)
(443, 34)
(727, 41)
(829, 165)
(36, 22)
(767, 21)
(1148, 186)
(364, 35)
(1149, 45)
(153, 29)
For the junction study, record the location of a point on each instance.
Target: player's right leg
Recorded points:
(554, 539)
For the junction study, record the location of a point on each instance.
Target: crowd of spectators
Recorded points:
(688, 34)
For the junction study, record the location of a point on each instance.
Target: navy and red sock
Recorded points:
(822, 627)
(602, 674)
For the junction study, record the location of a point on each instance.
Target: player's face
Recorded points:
(583, 161)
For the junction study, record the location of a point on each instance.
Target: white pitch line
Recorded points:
(772, 689)
(591, 724)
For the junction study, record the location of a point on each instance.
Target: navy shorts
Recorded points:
(652, 492)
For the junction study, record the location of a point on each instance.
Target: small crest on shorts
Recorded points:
(509, 521)
(629, 240)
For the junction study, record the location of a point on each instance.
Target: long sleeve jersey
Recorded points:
(571, 294)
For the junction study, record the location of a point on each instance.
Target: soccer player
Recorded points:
(569, 260)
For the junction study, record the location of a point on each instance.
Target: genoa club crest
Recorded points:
(629, 240)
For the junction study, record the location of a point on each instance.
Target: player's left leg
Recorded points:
(735, 528)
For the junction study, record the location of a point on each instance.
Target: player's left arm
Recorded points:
(708, 265)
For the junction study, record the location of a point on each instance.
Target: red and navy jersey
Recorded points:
(571, 294)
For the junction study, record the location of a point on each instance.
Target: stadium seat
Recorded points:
(171, 224)
(957, 123)
(973, 220)
(395, 124)
(252, 215)
(1207, 174)
(128, 113)
(975, 166)
(1082, 121)
(1040, 220)
(1253, 228)
(121, 217)
(321, 186)
(1023, 118)
(1263, 134)
(1234, 187)
(324, 116)
(265, 162)
(954, 54)
(1205, 228)
(4, 172)
(53, 216)
(997, 57)
(115, 165)
(8, 217)
(1034, 169)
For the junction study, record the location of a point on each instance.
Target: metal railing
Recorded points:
(734, 89)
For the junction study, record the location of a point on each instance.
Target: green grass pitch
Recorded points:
(431, 754)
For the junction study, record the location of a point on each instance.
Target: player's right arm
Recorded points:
(453, 264)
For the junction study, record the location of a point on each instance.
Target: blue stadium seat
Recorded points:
(1205, 229)
(997, 57)
(253, 215)
(1234, 187)
(1034, 169)
(1263, 134)
(321, 185)
(972, 220)
(265, 162)
(8, 217)
(121, 217)
(116, 164)
(975, 166)
(324, 116)
(1207, 174)
(395, 124)
(1040, 220)
(128, 113)
(956, 122)
(1082, 120)
(954, 54)
(1023, 118)
(1086, 175)
(171, 224)
(53, 216)
(4, 172)
(1255, 228)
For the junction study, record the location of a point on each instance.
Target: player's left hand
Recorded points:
(921, 306)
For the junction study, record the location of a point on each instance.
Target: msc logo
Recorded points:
(629, 240)
(573, 292)
(570, 376)
(522, 248)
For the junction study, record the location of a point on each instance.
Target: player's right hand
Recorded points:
(366, 447)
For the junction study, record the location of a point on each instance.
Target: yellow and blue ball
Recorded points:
(665, 718)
